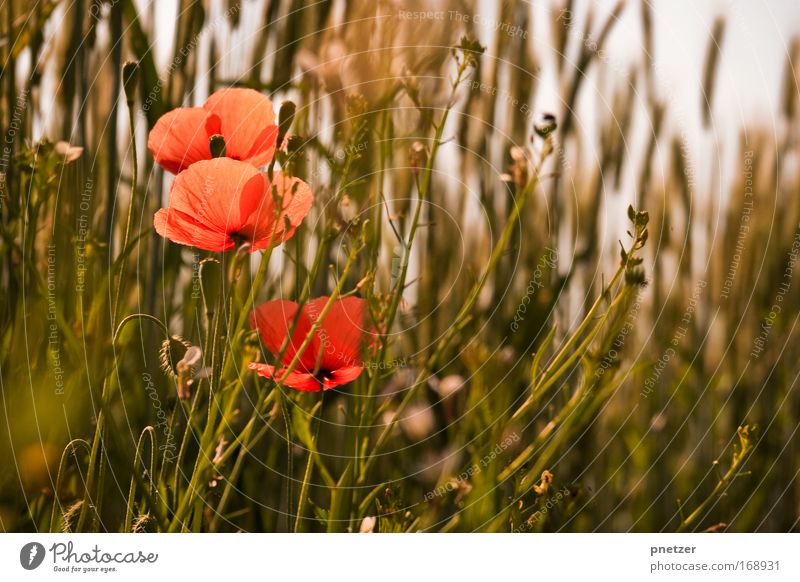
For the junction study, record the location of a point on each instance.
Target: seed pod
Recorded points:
(216, 144)
(181, 360)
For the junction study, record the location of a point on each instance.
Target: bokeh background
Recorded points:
(688, 110)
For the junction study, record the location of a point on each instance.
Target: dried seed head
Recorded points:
(144, 523)
(172, 352)
(70, 517)
(181, 360)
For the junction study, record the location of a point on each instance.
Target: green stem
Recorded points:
(316, 413)
(70, 448)
(131, 208)
(423, 188)
(463, 316)
(719, 490)
(137, 460)
(99, 433)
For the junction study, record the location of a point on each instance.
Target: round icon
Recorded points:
(31, 555)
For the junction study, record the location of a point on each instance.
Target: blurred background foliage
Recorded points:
(639, 431)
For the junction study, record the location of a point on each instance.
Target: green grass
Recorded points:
(533, 377)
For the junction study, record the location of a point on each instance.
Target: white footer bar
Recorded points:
(402, 557)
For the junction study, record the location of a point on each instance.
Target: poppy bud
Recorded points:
(545, 125)
(293, 144)
(210, 284)
(285, 119)
(216, 144)
(130, 78)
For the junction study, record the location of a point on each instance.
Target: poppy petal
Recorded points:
(273, 320)
(247, 121)
(262, 369)
(178, 139)
(305, 382)
(263, 149)
(341, 376)
(342, 332)
(298, 381)
(263, 227)
(221, 193)
(184, 229)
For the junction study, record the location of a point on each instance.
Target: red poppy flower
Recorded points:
(334, 355)
(244, 117)
(217, 204)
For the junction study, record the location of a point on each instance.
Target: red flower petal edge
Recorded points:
(217, 204)
(244, 117)
(334, 355)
